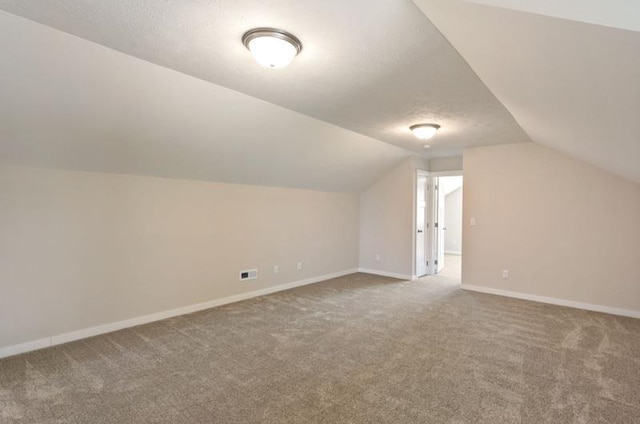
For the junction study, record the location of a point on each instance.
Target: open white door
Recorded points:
(439, 224)
(421, 218)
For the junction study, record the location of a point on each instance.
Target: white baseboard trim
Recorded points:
(25, 347)
(385, 274)
(554, 301)
(132, 322)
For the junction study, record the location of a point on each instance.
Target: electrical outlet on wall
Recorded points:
(299, 266)
(276, 269)
(249, 274)
(505, 273)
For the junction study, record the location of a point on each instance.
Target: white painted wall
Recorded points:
(451, 163)
(564, 229)
(82, 249)
(453, 222)
(387, 221)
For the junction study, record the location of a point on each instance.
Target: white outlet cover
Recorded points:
(248, 274)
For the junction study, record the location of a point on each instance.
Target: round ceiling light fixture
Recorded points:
(424, 131)
(270, 47)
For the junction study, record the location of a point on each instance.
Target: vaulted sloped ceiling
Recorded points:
(67, 103)
(568, 71)
(621, 14)
(166, 87)
(368, 70)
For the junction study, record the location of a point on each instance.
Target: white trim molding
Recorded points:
(386, 274)
(554, 301)
(454, 173)
(132, 322)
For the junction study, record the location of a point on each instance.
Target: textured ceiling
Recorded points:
(371, 67)
(572, 86)
(69, 103)
(568, 72)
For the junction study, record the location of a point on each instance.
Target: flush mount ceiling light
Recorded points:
(270, 47)
(424, 131)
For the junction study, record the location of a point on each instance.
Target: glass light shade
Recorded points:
(424, 131)
(270, 47)
(272, 52)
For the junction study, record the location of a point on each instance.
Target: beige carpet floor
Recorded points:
(357, 349)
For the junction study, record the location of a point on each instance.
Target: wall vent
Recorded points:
(249, 274)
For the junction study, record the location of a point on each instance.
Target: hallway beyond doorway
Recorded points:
(452, 267)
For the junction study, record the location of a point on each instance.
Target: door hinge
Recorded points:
(435, 262)
(436, 224)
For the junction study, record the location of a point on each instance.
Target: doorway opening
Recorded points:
(438, 225)
(448, 225)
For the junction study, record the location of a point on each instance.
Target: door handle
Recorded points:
(419, 231)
